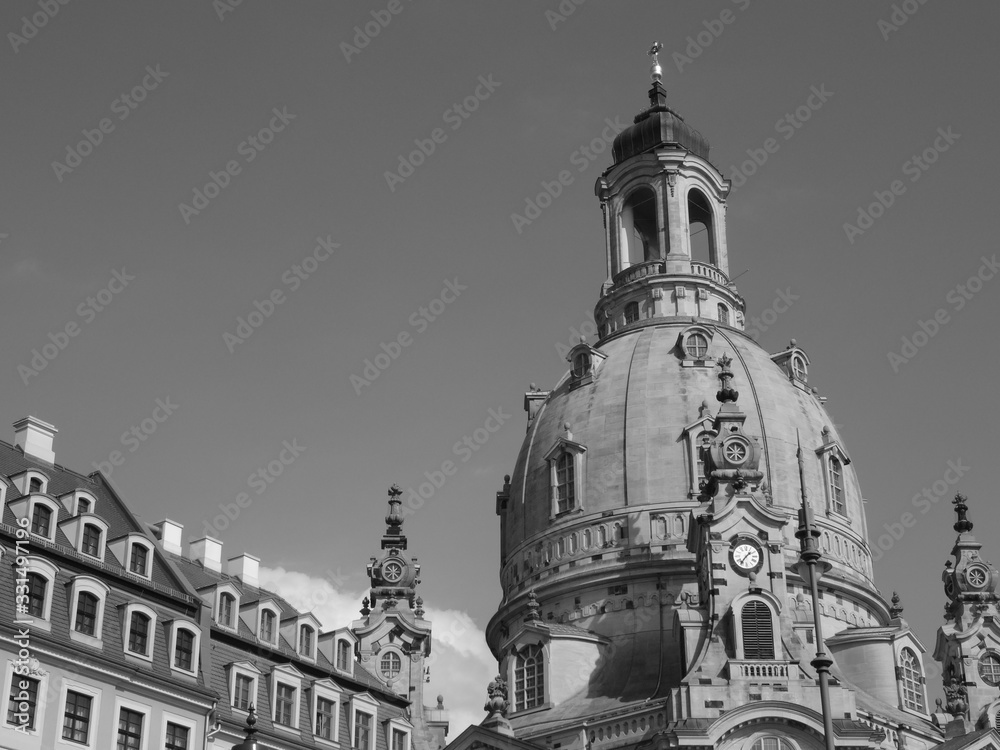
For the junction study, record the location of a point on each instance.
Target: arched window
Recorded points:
(37, 585)
(226, 602)
(723, 314)
(758, 631)
(701, 446)
(602, 536)
(910, 680)
(344, 656)
(34, 485)
(91, 540)
(86, 613)
(138, 634)
(41, 521)
(771, 743)
(82, 506)
(138, 559)
(581, 364)
(529, 678)
(588, 539)
(700, 228)
(565, 483)
(696, 346)
(390, 665)
(638, 235)
(305, 640)
(799, 370)
(837, 485)
(631, 312)
(184, 650)
(267, 626)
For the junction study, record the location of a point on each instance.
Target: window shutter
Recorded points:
(758, 633)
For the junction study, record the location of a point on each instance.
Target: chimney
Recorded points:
(208, 552)
(170, 533)
(245, 567)
(34, 437)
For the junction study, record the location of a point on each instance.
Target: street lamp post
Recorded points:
(810, 568)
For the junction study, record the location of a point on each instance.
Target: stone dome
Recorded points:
(655, 127)
(634, 422)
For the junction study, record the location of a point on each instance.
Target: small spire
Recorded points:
(534, 615)
(365, 610)
(419, 611)
(963, 524)
(726, 394)
(895, 610)
(250, 743)
(394, 519)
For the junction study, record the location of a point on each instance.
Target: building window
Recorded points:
(305, 640)
(771, 743)
(138, 634)
(799, 371)
(243, 693)
(91, 540)
(343, 656)
(37, 585)
(696, 346)
(581, 365)
(184, 650)
(23, 702)
(837, 485)
(284, 704)
(137, 561)
(399, 738)
(989, 668)
(565, 483)
(267, 625)
(226, 602)
(757, 629)
(86, 613)
(76, 717)
(177, 737)
(529, 678)
(362, 730)
(34, 485)
(723, 314)
(82, 506)
(41, 521)
(130, 729)
(631, 312)
(910, 678)
(391, 665)
(326, 712)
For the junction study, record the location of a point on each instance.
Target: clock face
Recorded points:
(392, 571)
(746, 556)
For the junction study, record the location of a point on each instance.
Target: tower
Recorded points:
(393, 638)
(652, 595)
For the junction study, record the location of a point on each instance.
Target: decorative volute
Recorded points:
(664, 207)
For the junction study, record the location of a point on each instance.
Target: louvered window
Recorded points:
(758, 633)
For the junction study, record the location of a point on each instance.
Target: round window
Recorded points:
(735, 451)
(989, 668)
(392, 571)
(696, 346)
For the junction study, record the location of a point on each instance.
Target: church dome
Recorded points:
(638, 423)
(658, 126)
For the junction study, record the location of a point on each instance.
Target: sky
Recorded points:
(262, 260)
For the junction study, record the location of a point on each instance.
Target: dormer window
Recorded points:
(696, 346)
(37, 590)
(836, 476)
(82, 506)
(911, 680)
(138, 562)
(87, 598)
(799, 369)
(226, 604)
(87, 606)
(565, 486)
(141, 622)
(529, 678)
(266, 631)
(41, 521)
(34, 485)
(91, 544)
(566, 472)
(344, 656)
(184, 639)
(306, 634)
(581, 365)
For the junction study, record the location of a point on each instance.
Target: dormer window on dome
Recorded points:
(566, 475)
(693, 344)
(795, 364)
(585, 361)
(834, 461)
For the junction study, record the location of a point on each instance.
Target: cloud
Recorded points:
(460, 663)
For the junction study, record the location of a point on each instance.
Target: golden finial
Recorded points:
(655, 71)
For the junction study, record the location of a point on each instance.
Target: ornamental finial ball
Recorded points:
(655, 71)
